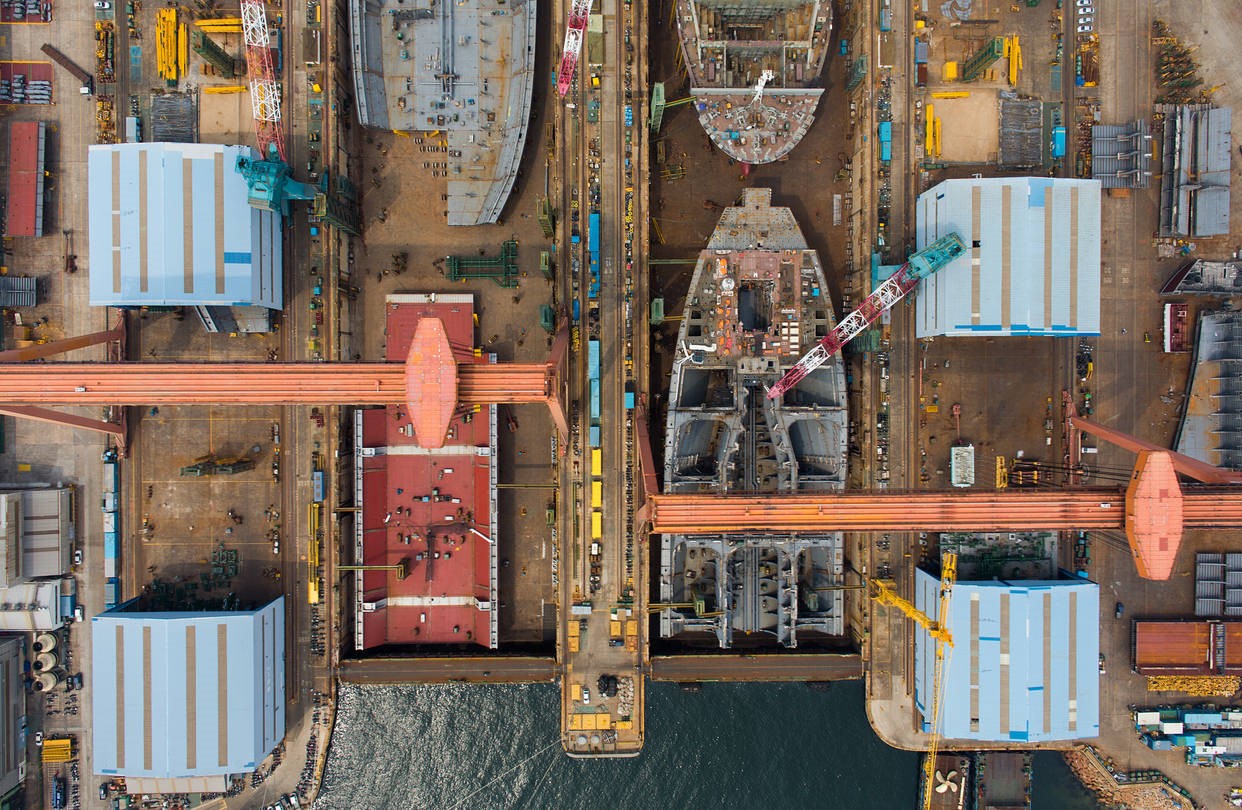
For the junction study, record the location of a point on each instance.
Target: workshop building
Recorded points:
(1033, 267)
(170, 225)
(181, 699)
(1024, 663)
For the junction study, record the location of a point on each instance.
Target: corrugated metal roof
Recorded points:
(187, 694)
(1024, 666)
(24, 207)
(1195, 175)
(170, 225)
(1034, 263)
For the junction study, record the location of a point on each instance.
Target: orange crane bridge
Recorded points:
(1153, 510)
(431, 383)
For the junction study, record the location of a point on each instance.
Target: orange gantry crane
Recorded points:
(437, 380)
(1153, 509)
(434, 383)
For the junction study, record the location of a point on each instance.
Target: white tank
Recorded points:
(45, 682)
(44, 662)
(44, 642)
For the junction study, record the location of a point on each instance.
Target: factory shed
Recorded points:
(1197, 152)
(170, 225)
(180, 696)
(1211, 425)
(1024, 665)
(1034, 262)
(24, 208)
(1188, 647)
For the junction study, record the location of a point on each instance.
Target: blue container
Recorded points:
(886, 152)
(594, 437)
(1058, 142)
(318, 485)
(886, 132)
(595, 402)
(577, 310)
(593, 360)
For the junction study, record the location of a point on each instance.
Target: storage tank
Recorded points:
(44, 642)
(45, 682)
(44, 661)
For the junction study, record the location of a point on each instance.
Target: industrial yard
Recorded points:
(892, 344)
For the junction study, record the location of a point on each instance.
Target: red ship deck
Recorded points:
(425, 507)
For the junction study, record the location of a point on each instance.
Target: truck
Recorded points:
(86, 80)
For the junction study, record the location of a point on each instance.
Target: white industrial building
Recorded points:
(184, 699)
(170, 225)
(1033, 265)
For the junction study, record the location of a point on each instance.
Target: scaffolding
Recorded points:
(983, 59)
(502, 269)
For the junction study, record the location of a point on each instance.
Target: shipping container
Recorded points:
(112, 593)
(595, 401)
(597, 462)
(593, 359)
(1058, 142)
(886, 131)
(597, 525)
(111, 480)
(629, 396)
(597, 494)
(318, 486)
(594, 436)
(593, 236)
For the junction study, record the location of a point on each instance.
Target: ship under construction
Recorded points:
(757, 301)
(754, 71)
(462, 72)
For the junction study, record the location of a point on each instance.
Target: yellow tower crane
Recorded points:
(885, 593)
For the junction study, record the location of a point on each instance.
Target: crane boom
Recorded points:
(918, 267)
(264, 89)
(948, 576)
(575, 32)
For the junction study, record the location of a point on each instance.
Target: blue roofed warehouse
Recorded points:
(183, 695)
(1024, 666)
(170, 225)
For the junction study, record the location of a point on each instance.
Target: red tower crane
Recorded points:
(264, 88)
(575, 32)
(920, 266)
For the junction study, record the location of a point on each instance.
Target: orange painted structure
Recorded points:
(1188, 647)
(1148, 510)
(431, 384)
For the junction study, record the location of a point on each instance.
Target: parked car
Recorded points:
(1085, 21)
(1119, 611)
(103, 5)
(1085, 10)
(77, 556)
(1085, 29)
(1085, 3)
(38, 738)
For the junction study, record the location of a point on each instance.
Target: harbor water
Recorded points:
(727, 745)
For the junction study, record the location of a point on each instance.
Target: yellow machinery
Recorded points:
(57, 750)
(1002, 473)
(699, 605)
(885, 593)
